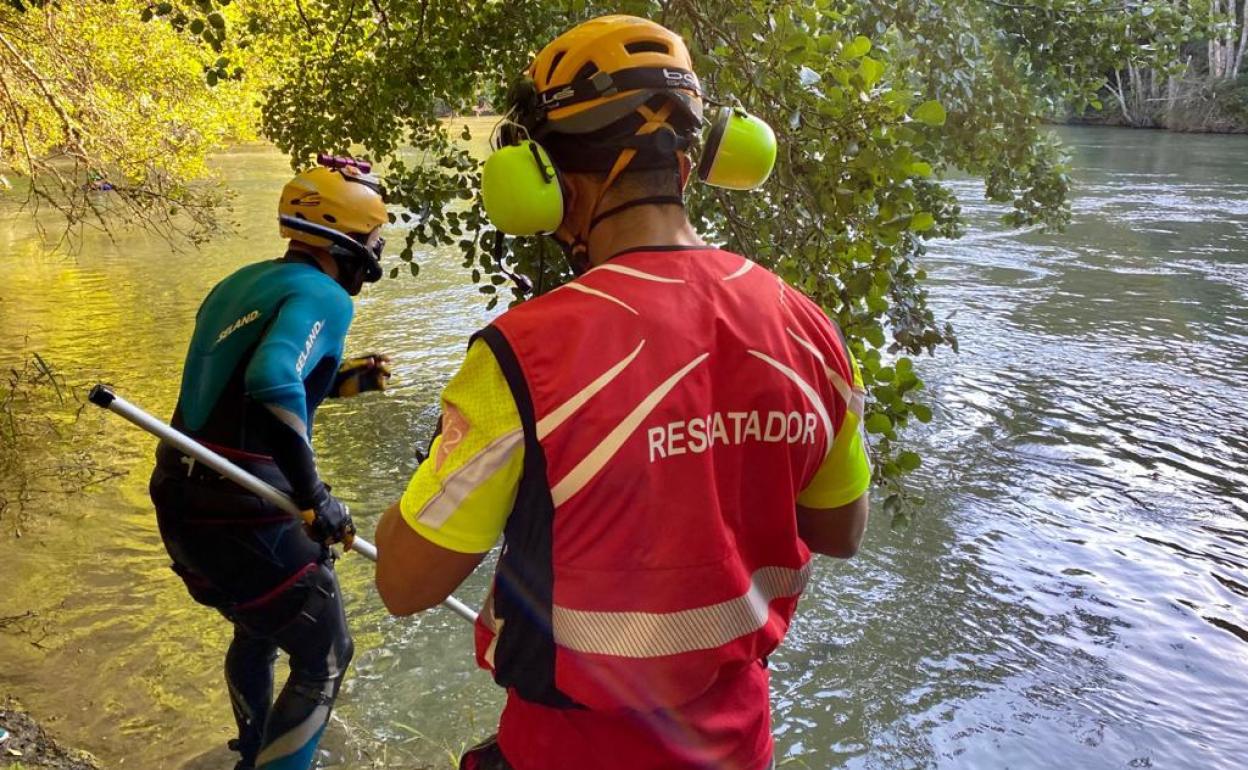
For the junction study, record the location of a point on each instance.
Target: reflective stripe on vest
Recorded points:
(654, 634)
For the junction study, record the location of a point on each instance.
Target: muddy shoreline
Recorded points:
(29, 745)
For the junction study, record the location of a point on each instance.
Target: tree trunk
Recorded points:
(1120, 95)
(1217, 46)
(1215, 8)
(1243, 43)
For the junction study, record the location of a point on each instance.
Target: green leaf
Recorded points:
(922, 222)
(394, 272)
(870, 71)
(921, 169)
(414, 267)
(909, 461)
(921, 412)
(216, 19)
(930, 112)
(879, 423)
(860, 46)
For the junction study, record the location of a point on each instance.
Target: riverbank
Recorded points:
(1192, 106)
(1185, 122)
(28, 745)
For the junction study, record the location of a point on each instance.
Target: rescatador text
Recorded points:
(701, 433)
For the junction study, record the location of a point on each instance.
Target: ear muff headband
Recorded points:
(521, 191)
(341, 244)
(740, 151)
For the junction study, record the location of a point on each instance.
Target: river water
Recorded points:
(1071, 593)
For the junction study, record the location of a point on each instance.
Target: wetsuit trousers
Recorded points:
(253, 563)
(284, 735)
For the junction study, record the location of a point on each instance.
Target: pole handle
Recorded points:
(105, 398)
(101, 395)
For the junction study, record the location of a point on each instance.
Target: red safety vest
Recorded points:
(674, 403)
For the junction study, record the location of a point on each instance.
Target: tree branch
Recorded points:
(71, 133)
(307, 24)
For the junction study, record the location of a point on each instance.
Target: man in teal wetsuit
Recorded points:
(267, 349)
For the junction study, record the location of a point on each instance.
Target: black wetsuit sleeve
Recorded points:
(289, 373)
(294, 458)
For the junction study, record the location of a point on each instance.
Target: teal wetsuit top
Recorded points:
(267, 344)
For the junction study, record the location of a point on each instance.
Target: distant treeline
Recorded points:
(1205, 89)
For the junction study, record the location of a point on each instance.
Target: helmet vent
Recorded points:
(329, 218)
(554, 63)
(586, 72)
(647, 46)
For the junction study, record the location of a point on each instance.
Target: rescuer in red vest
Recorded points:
(662, 441)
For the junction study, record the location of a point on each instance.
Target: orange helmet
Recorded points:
(604, 69)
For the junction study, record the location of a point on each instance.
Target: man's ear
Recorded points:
(571, 196)
(579, 190)
(686, 170)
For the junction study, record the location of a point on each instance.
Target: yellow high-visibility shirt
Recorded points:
(460, 497)
(846, 472)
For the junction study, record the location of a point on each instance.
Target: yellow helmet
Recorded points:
(345, 199)
(604, 69)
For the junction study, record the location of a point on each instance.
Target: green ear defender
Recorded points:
(520, 190)
(739, 151)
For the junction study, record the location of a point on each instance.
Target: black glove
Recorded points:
(327, 520)
(362, 374)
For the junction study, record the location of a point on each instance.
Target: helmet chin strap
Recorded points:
(577, 250)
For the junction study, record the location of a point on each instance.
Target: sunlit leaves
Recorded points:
(107, 92)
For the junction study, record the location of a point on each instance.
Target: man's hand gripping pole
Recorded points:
(105, 398)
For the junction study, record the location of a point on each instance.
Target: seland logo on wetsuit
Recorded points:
(307, 346)
(251, 333)
(240, 323)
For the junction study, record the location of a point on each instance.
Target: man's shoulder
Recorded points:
(266, 286)
(794, 303)
(295, 280)
(551, 302)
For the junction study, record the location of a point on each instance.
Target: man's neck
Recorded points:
(653, 225)
(318, 258)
